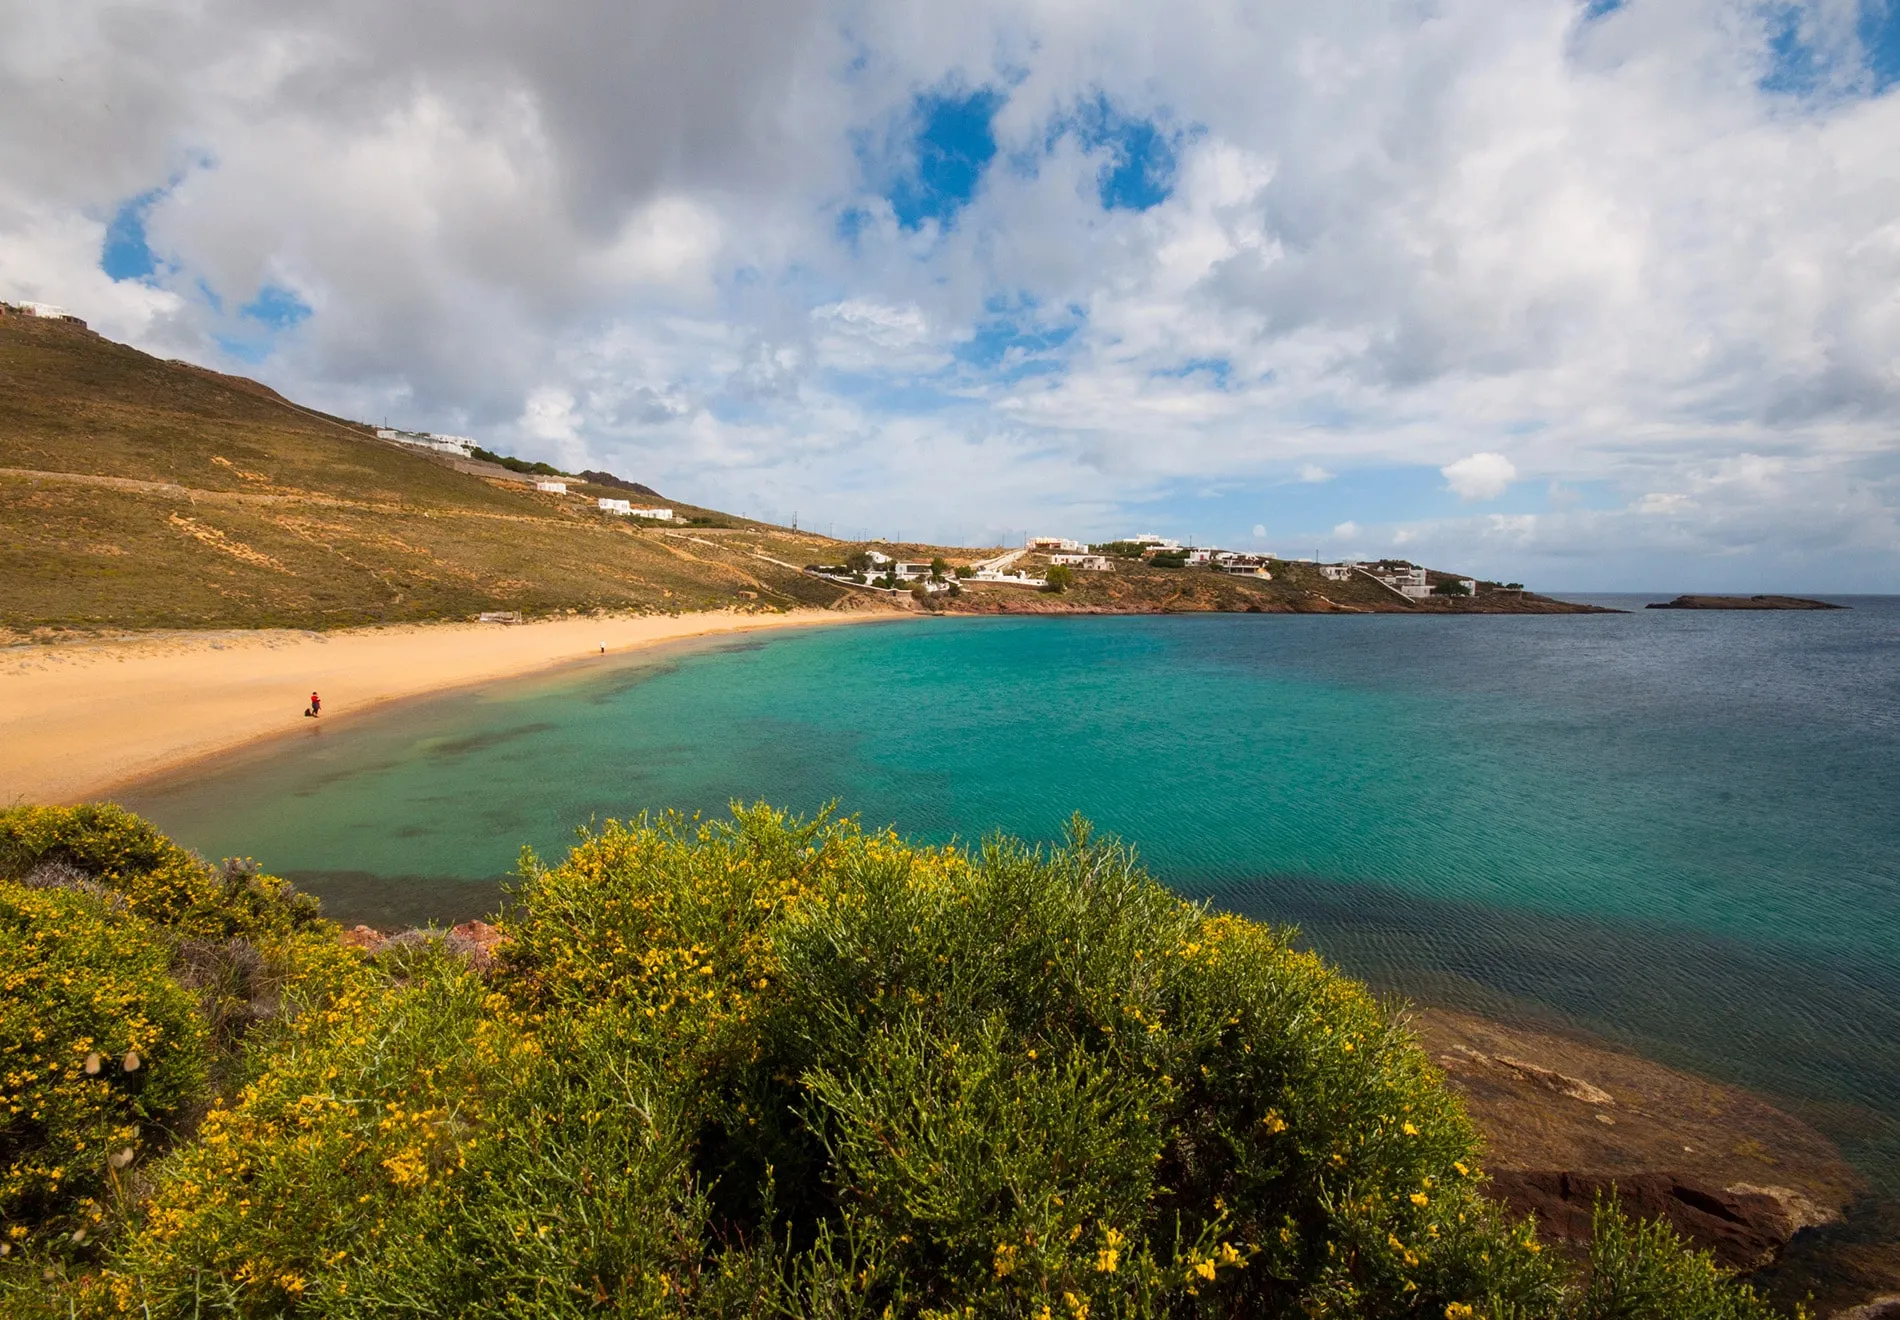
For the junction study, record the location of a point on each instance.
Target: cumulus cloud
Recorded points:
(1480, 476)
(1646, 250)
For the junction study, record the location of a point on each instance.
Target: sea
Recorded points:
(1677, 831)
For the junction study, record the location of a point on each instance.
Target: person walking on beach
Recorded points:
(316, 705)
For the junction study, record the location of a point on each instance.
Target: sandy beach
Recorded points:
(80, 719)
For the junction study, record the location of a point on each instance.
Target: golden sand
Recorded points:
(79, 719)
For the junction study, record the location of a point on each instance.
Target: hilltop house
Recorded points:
(1336, 572)
(1087, 563)
(551, 487)
(459, 445)
(621, 507)
(1052, 543)
(664, 515)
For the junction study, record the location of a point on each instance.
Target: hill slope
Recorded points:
(139, 493)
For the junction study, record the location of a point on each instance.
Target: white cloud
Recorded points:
(1259, 531)
(1480, 476)
(1595, 244)
(1345, 531)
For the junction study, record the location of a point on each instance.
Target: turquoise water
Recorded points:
(1675, 829)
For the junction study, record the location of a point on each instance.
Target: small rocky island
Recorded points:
(1743, 603)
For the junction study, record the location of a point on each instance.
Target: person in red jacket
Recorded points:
(316, 705)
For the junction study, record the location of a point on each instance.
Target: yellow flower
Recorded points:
(1273, 1122)
(1005, 1262)
(1204, 1268)
(1458, 1311)
(1419, 1198)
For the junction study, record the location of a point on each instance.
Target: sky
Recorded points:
(1586, 294)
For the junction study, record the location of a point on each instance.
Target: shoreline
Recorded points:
(81, 720)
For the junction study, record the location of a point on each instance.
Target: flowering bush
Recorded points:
(107, 846)
(772, 1067)
(99, 1050)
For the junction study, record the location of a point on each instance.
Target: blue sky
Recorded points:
(1586, 293)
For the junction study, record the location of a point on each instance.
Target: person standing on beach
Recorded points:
(316, 705)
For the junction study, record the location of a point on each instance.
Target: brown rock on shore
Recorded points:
(1563, 1120)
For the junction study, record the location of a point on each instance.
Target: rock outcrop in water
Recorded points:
(1565, 1120)
(1743, 603)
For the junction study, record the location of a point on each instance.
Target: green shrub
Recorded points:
(779, 1068)
(1643, 1271)
(100, 1051)
(108, 846)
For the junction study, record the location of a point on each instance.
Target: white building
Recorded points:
(1154, 542)
(622, 507)
(1199, 556)
(876, 558)
(1052, 543)
(910, 569)
(459, 445)
(1087, 563)
(1012, 578)
(47, 310)
(1408, 582)
(551, 487)
(1335, 572)
(1243, 566)
(664, 515)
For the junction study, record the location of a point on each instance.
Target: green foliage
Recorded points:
(1168, 559)
(858, 561)
(1119, 549)
(774, 1067)
(100, 1049)
(1451, 589)
(1060, 577)
(107, 846)
(1643, 1271)
(516, 464)
(938, 567)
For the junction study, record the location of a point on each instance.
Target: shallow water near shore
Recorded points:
(1675, 830)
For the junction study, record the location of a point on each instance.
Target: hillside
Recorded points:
(139, 493)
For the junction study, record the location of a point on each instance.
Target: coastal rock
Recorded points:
(1548, 1078)
(1880, 1308)
(1563, 1118)
(1743, 603)
(362, 937)
(1743, 1229)
(476, 941)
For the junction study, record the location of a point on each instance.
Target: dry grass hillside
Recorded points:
(142, 494)
(139, 493)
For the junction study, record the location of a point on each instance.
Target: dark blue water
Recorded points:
(1675, 829)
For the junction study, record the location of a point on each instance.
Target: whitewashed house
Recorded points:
(664, 515)
(46, 310)
(459, 445)
(1053, 543)
(551, 487)
(1335, 572)
(622, 507)
(1087, 563)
